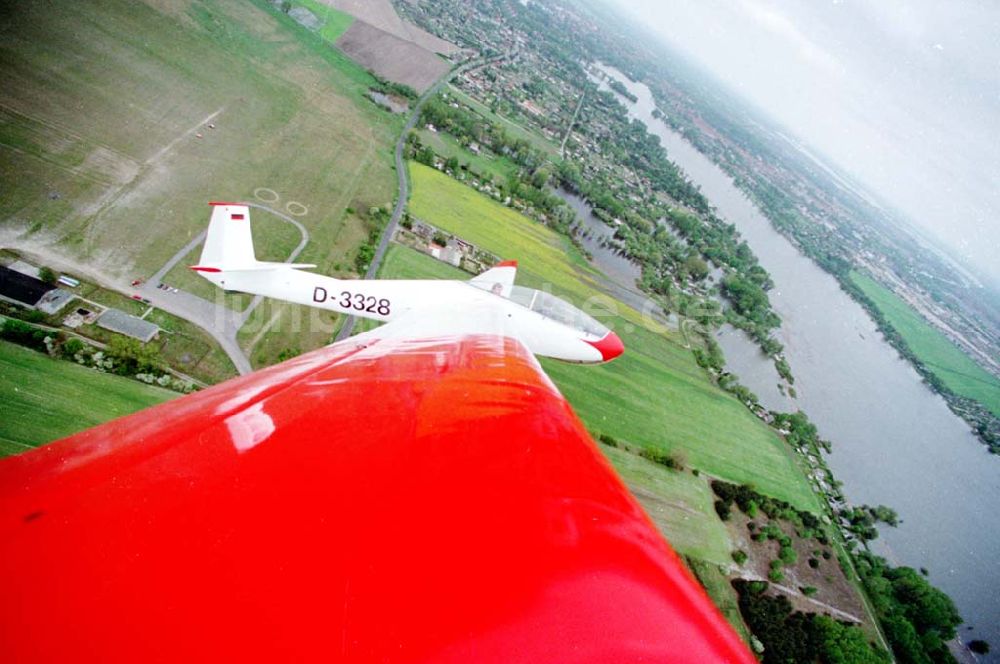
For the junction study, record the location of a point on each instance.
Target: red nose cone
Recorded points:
(610, 346)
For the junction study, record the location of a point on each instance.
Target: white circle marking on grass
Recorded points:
(266, 195)
(296, 209)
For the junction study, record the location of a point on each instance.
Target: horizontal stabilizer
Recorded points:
(256, 267)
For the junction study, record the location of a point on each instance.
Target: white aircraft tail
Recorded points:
(229, 243)
(499, 279)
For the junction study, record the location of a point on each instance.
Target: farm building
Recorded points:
(25, 290)
(131, 326)
(19, 288)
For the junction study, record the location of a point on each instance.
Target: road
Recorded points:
(402, 179)
(569, 128)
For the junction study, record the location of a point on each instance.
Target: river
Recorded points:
(895, 442)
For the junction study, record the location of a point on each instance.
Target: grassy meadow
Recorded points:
(654, 396)
(958, 371)
(45, 399)
(105, 140)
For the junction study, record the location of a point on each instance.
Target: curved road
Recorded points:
(401, 175)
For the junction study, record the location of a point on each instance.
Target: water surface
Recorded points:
(895, 442)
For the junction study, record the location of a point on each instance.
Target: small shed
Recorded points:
(118, 321)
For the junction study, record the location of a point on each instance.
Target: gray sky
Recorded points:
(904, 96)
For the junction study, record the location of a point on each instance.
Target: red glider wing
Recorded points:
(393, 501)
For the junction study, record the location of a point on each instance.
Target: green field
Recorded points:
(335, 23)
(45, 399)
(958, 371)
(100, 113)
(405, 263)
(679, 503)
(654, 396)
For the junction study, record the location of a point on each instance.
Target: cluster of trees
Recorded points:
(802, 433)
(786, 551)
(750, 501)
(24, 334)
(620, 88)
(388, 87)
(469, 127)
(861, 521)
(123, 356)
(528, 185)
(917, 618)
(711, 357)
(378, 217)
(793, 636)
(752, 310)
(701, 236)
(670, 460)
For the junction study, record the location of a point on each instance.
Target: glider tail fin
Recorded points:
(499, 279)
(229, 244)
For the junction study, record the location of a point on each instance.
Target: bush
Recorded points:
(808, 591)
(47, 275)
(72, 347)
(739, 556)
(671, 461)
(776, 575)
(364, 257)
(814, 563)
(288, 353)
(608, 440)
(979, 647)
(131, 357)
(21, 333)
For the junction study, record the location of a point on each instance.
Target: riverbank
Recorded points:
(895, 441)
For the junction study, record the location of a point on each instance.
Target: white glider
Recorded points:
(489, 303)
